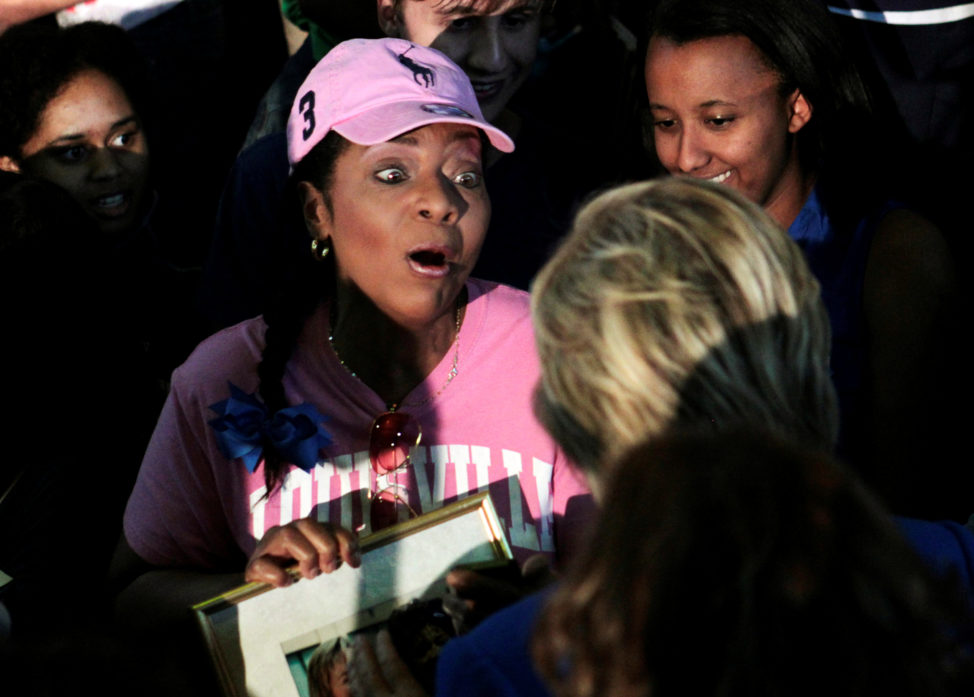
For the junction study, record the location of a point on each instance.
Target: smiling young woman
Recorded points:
(760, 96)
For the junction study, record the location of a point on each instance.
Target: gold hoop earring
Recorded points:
(320, 249)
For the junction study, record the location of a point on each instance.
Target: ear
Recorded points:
(388, 17)
(9, 164)
(317, 217)
(799, 111)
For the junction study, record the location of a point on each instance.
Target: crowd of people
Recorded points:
(657, 276)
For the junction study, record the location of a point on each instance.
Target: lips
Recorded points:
(720, 178)
(487, 89)
(431, 261)
(111, 205)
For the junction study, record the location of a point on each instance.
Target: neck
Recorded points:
(392, 359)
(796, 187)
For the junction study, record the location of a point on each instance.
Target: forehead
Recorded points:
(476, 7)
(723, 65)
(88, 97)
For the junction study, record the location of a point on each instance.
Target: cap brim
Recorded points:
(392, 120)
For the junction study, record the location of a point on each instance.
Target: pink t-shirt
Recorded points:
(192, 507)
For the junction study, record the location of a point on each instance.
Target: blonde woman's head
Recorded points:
(678, 304)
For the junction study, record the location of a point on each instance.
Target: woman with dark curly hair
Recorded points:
(386, 383)
(73, 104)
(72, 115)
(761, 96)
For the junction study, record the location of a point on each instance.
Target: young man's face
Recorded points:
(494, 41)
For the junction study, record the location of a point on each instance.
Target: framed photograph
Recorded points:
(262, 638)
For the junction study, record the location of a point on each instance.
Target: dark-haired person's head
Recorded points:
(72, 103)
(736, 563)
(758, 95)
(495, 42)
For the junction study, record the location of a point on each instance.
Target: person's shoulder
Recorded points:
(501, 298)
(946, 547)
(499, 316)
(229, 355)
(507, 631)
(495, 657)
(912, 252)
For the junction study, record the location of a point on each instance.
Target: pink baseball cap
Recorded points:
(372, 90)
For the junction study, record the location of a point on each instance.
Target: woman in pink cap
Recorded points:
(385, 385)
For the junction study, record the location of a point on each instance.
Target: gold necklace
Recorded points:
(454, 369)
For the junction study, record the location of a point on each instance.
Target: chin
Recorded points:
(115, 228)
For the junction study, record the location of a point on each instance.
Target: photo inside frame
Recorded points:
(262, 640)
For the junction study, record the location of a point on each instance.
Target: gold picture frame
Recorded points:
(252, 631)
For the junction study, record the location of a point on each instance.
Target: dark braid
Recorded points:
(287, 313)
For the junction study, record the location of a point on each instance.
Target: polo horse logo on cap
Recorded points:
(419, 71)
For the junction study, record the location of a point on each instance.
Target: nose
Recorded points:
(691, 153)
(487, 52)
(105, 165)
(439, 202)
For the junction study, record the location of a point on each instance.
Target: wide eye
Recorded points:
(469, 180)
(125, 139)
(391, 175)
(71, 154)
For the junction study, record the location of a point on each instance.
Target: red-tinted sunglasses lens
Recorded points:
(385, 507)
(393, 434)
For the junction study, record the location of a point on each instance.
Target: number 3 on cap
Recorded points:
(306, 107)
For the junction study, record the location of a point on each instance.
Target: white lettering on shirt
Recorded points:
(257, 506)
(363, 467)
(350, 474)
(440, 456)
(343, 467)
(323, 474)
(481, 459)
(543, 473)
(460, 456)
(296, 480)
(521, 534)
(420, 460)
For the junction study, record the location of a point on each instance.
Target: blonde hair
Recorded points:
(678, 303)
(324, 657)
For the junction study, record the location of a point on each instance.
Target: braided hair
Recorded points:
(287, 313)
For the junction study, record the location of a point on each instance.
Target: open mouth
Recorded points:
(721, 178)
(486, 90)
(429, 258)
(111, 205)
(429, 261)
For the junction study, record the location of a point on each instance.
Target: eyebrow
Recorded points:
(704, 105)
(68, 137)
